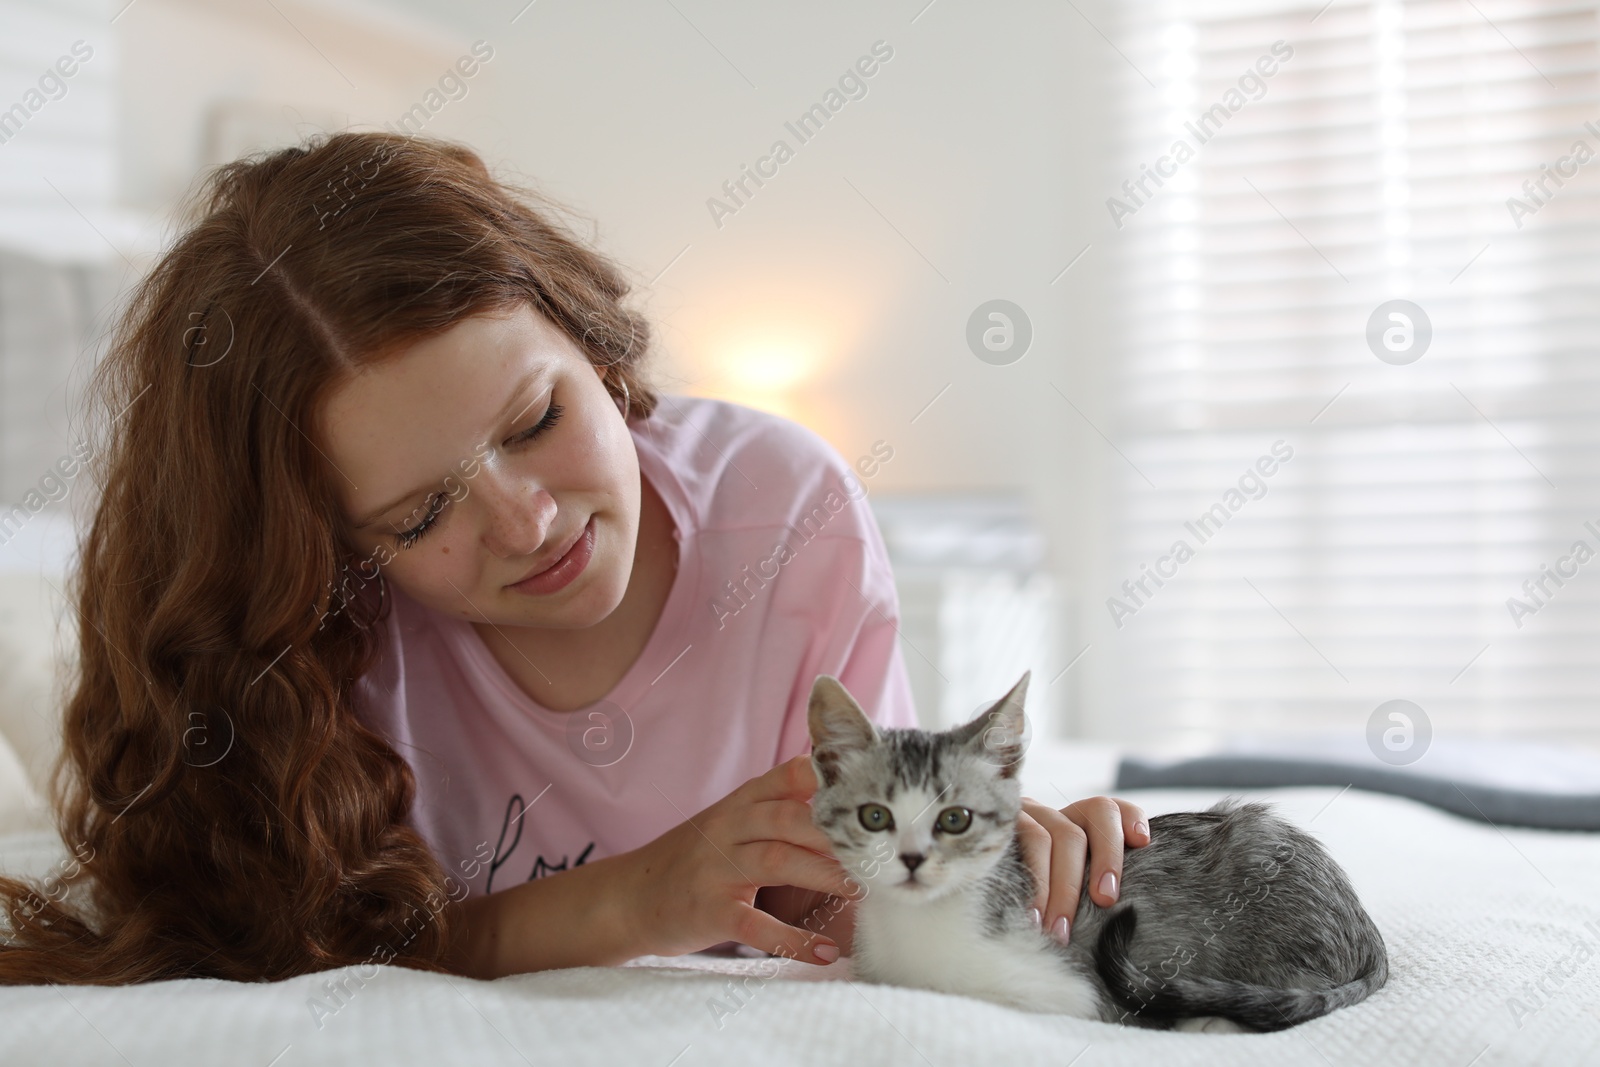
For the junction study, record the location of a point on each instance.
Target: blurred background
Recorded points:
(1237, 359)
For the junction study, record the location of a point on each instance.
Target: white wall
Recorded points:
(839, 294)
(979, 147)
(305, 66)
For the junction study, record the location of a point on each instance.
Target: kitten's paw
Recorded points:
(1209, 1024)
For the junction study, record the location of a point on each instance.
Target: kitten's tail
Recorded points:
(1187, 996)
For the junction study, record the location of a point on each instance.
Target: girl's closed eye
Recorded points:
(435, 504)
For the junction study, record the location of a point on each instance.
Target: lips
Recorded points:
(559, 572)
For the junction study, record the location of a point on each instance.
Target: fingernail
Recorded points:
(1033, 918)
(1108, 885)
(1142, 827)
(1061, 930)
(826, 952)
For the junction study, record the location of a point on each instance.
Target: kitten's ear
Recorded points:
(836, 720)
(997, 734)
(837, 725)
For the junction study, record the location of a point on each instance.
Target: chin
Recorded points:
(577, 607)
(590, 599)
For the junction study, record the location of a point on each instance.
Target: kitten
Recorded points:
(1230, 919)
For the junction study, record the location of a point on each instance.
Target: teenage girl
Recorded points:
(415, 627)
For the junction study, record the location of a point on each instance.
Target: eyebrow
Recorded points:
(508, 414)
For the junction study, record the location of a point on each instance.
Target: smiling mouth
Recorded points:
(562, 568)
(555, 557)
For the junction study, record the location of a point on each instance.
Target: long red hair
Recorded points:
(213, 592)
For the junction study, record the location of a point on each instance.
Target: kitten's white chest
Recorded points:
(941, 946)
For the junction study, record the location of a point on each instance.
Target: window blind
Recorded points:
(1397, 152)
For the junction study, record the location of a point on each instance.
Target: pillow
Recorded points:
(30, 717)
(22, 809)
(1499, 781)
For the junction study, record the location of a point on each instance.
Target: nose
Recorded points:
(519, 517)
(912, 860)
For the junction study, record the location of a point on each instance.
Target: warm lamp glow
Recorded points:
(770, 367)
(771, 352)
(769, 373)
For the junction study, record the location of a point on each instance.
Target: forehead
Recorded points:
(457, 369)
(914, 767)
(919, 761)
(415, 413)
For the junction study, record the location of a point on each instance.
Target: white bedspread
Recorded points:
(1494, 944)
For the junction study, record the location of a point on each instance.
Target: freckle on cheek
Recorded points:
(446, 550)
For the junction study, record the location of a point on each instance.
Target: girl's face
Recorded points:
(491, 469)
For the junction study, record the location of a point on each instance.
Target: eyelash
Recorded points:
(436, 502)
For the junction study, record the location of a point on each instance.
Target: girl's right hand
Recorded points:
(695, 885)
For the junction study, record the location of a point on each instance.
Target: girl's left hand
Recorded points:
(1058, 844)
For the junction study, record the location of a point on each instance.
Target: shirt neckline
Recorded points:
(659, 650)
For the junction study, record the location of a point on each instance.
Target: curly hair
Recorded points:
(209, 590)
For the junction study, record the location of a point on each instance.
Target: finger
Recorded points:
(1069, 852)
(1101, 819)
(1035, 842)
(780, 863)
(757, 929)
(1135, 827)
(793, 778)
(782, 820)
(835, 919)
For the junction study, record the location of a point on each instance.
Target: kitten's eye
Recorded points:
(954, 820)
(876, 817)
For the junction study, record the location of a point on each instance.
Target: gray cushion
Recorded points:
(1495, 804)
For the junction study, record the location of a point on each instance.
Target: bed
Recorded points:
(1493, 936)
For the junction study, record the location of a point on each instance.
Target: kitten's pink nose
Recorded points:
(912, 860)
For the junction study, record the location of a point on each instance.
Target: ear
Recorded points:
(995, 736)
(838, 725)
(836, 720)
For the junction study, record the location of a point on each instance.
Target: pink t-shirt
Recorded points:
(782, 575)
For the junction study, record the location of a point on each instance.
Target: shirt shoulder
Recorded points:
(743, 468)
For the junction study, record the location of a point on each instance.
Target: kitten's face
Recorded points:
(912, 813)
